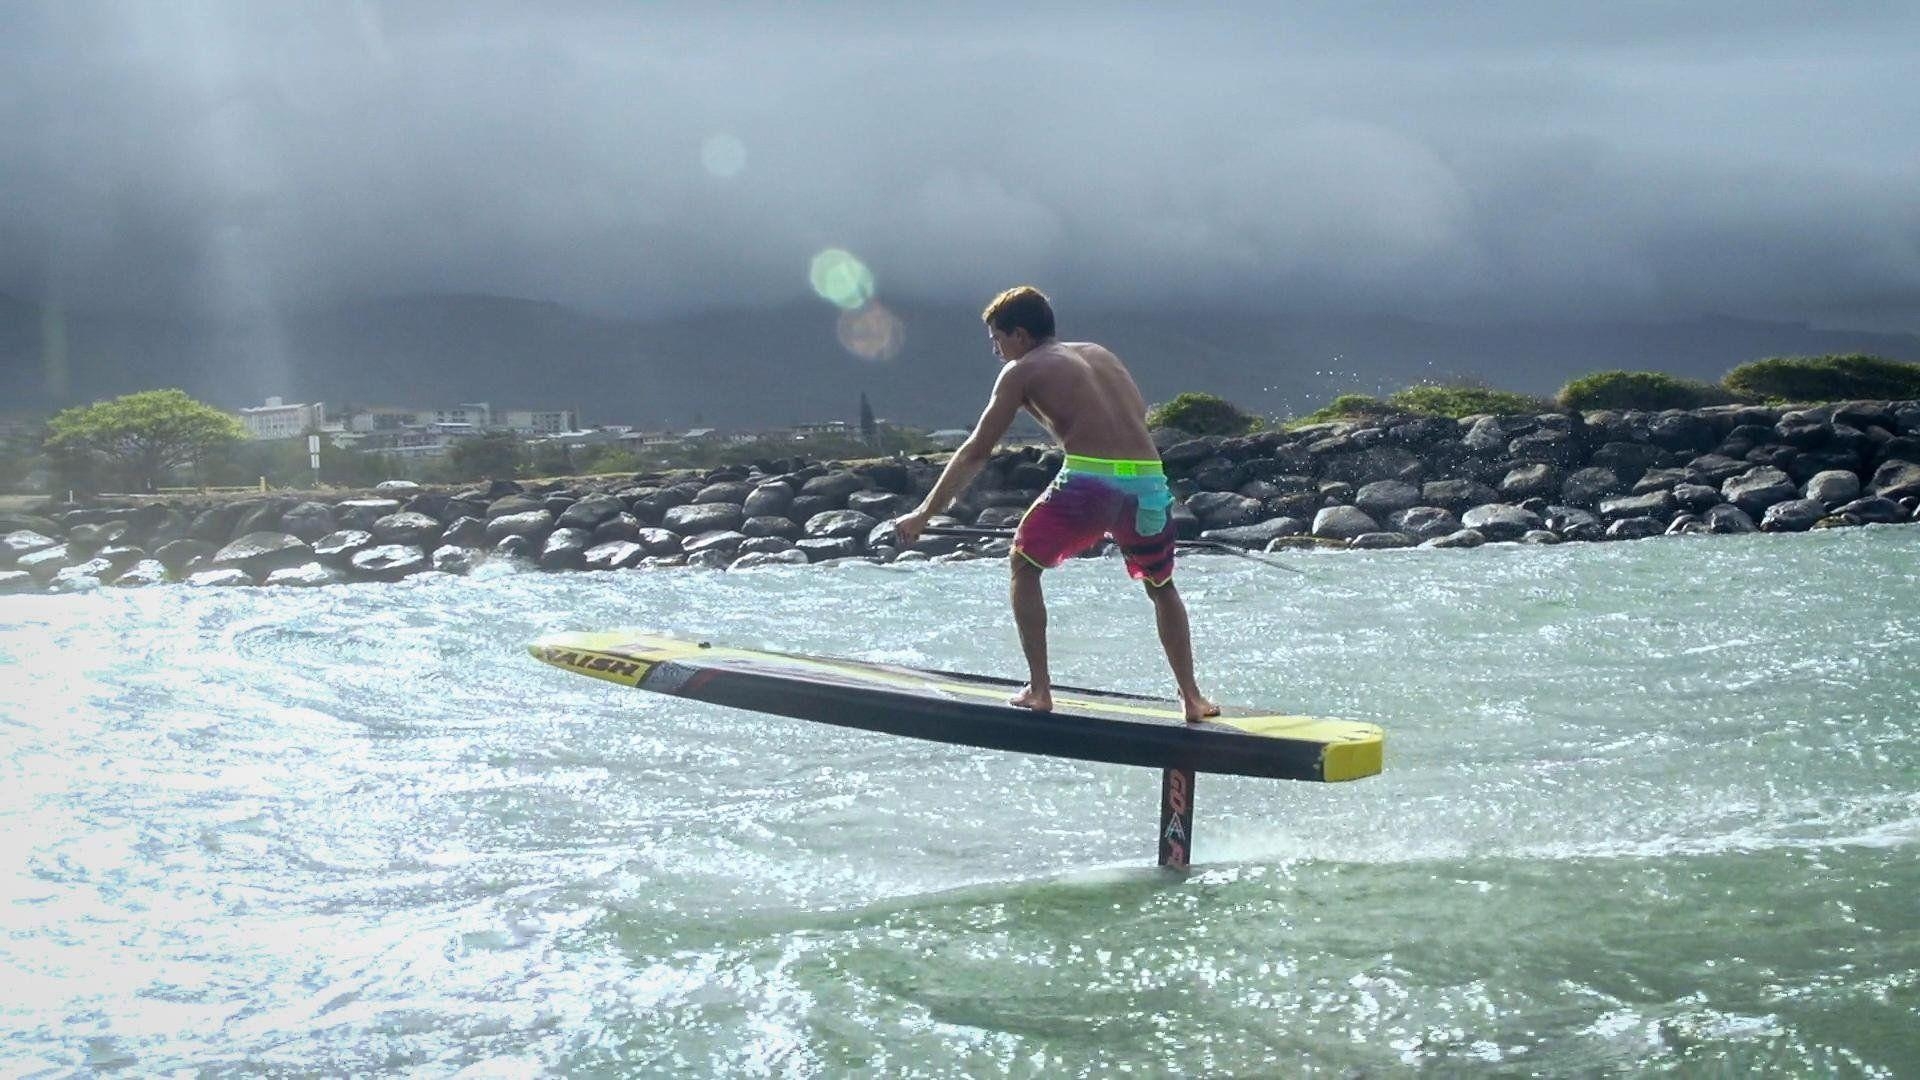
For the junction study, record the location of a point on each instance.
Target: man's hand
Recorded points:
(907, 527)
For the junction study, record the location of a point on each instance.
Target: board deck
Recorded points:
(972, 710)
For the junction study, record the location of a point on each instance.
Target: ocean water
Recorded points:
(1648, 807)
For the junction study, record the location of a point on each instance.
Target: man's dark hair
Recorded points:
(1022, 307)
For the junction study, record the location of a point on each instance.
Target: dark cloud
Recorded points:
(1501, 161)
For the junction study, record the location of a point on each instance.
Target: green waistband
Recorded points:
(1112, 466)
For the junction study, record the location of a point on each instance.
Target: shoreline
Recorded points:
(1387, 483)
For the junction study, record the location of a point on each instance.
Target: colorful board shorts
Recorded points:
(1094, 498)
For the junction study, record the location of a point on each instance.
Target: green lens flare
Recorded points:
(841, 278)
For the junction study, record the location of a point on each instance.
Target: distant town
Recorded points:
(408, 432)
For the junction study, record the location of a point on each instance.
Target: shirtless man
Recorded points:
(1110, 485)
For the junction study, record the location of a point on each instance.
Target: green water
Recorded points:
(1648, 807)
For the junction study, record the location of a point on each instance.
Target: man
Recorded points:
(1110, 485)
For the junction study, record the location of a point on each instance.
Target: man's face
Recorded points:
(1010, 347)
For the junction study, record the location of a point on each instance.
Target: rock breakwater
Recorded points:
(1398, 482)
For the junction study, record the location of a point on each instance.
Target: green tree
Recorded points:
(140, 437)
(488, 456)
(869, 427)
(1203, 414)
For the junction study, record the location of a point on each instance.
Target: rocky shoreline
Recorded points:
(1394, 482)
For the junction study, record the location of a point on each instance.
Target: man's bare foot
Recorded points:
(1198, 708)
(1040, 700)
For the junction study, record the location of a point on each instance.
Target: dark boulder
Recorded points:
(1695, 498)
(1457, 495)
(1715, 469)
(565, 549)
(1424, 522)
(1224, 509)
(388, 562)
(589, 512)
(1257, 535)
(1635, 528)
(1793, 515)
(261, 553)
(1728, 518)
(1895, 480)
(1530, 481)
(455, 558)
(614, 555)
(834, 524)
(1385, 497)
(1873, 510)
(1683, 432)
(659, 542)
(407, 527)
(465, 532)
(771, 526)
(1658, 505)
(820, 549)
(1586, 487)
(336, 548)
(177, 555)
(309, 520)
(768, 500)
(21, 542)
(1833, 487)
(307, 575)
(532, 524)
(1500, 521)
(143, 573)
(362, 513)
(723, 541)
(1759, 488)
(1343, 523)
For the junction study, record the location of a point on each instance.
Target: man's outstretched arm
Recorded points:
(1009, 390)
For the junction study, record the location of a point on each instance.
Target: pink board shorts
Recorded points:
(1089, 502)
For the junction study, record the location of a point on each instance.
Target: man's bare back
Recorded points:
(1086, 398)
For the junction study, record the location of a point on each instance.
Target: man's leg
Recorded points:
(1170, 617)
(1030, 618)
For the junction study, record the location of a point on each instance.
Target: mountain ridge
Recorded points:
(782, 365)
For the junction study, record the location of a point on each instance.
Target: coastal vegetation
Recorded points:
(1652, 390)
(1824, 378)
(1452, 400)
(157, 438)
(1806, 380)
(137, 439)
(1204, 414)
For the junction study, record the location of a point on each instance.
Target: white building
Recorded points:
(276, 420)
(472, 414)
(537, 421)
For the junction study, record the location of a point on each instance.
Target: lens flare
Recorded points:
(871, 332)
(841, 279)
(723, 156)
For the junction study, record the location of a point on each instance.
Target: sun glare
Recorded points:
(841, 279)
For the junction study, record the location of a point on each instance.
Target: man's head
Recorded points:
(1018, 320)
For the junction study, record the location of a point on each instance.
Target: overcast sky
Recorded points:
(1471, 161)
